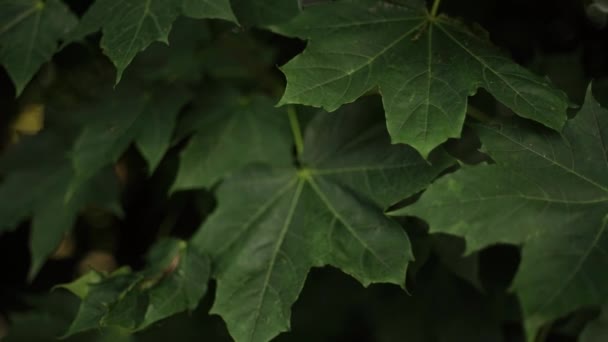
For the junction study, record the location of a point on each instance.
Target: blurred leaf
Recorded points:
(129, 27)
(231, 134)
(174, 281)
(40, 187)
(597, 330)
(264, 13)
(130, 114)
(30, 31)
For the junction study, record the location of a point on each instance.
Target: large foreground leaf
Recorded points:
(548, 192)
(131, 26)
(273, 224)
(174, 281)
(424, 67)
(30, 31)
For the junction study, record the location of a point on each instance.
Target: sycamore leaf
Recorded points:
(124, 116)
(36, 183)
(30, 31)
(424, 67)
(175, 281)
(131, 26)
(547, 192)
(230, 135)
(273, 224)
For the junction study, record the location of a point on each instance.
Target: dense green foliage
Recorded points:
(386, 170)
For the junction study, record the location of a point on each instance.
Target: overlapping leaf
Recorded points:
(273, 224)
(37, 175)
(146, 117)
(30, 31)
(230, 135)
(424, 67)
(131, 26)
(174, 281)
(548, 192)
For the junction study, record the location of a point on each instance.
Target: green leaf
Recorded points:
(200, 9)
(49, 317)
(273, 224)
(175, 281)
(131, 26)
(424, 67)
(547, 192)
(596, 330)
(30, 31)
(146, 117)
(231, 134)
(264, 13)
(181, 60)
(39, 186)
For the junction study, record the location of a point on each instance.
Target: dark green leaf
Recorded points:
(131, 26)
(597, 330)
(230, 135)
(174, 281)
(547, 192)
(273, 224)
(146, 117)
(30, 31)
(265, 13)
(424, 67)
(37, 183)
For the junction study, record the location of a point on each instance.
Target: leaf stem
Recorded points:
(295, 129)
(435, 8)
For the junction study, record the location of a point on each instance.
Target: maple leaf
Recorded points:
(273, 224)
(174, 281)
(424, 66)
(30, 31)
(129, 27)
(547, 192)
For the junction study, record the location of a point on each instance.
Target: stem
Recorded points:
(295, 129)
(435, 8)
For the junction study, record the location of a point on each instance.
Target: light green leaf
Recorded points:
(30, 31)
(273, 224)
(424, 68)
(547, 192)
(131, 26)
(230, 135)
(174, 281)
(123, 116)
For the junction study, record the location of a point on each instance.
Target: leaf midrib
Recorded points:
(282, 234)
(18, 19)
